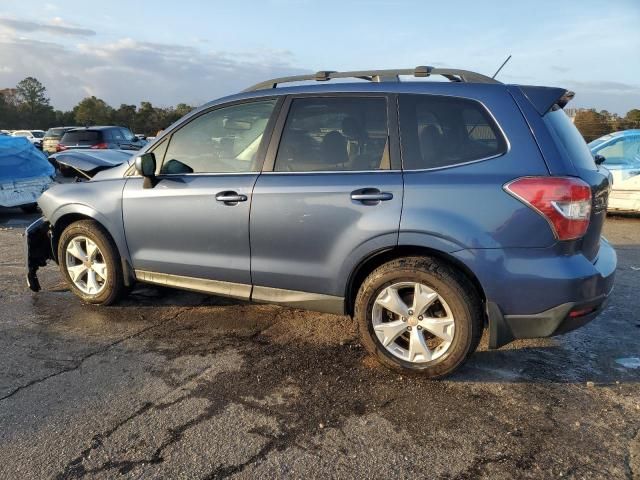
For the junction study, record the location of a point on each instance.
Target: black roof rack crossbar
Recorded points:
(452, 74)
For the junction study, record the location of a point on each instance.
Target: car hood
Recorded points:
(87, 163)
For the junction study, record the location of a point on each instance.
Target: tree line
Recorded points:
(27, 107)
(593, 124)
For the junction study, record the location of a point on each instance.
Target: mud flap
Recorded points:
(499, 332)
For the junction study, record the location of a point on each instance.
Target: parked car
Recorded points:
(52, 138)
(423, 209)
(24, 173)
(619, 152)
(100, 137)
(34, 136)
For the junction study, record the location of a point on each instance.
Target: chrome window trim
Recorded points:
(319, 172)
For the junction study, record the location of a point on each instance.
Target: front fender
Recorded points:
(114, 227)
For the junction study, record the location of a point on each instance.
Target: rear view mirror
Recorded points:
(599, 159)
(146, 166)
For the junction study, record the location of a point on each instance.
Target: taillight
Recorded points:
(564, 201)
(60, 148)
(100, 145)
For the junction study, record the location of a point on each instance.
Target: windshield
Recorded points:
(37, 133)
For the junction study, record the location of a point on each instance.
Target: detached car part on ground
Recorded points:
(24, 173)
(426, 210)
(619, 152)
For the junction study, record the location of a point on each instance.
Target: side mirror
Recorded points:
(599, 159)
(146, 166)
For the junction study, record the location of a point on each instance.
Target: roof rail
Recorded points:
(452, 74)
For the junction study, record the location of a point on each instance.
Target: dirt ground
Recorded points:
(177, 385)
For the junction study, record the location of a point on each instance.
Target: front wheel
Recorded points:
(419, 315)
(90, 263)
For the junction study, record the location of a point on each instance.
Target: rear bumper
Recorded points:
(555, 321)
(581, 306)
(37, 250)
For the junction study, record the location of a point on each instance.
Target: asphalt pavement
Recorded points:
(169, 384)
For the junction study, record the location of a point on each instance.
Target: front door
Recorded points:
(192, 228)
(333, 195)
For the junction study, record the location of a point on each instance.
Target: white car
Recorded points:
(621, 153)
(34, 136)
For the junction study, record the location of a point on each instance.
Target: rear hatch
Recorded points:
(85, 138)
(574, 149)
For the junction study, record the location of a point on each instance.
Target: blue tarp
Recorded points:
(19, 160)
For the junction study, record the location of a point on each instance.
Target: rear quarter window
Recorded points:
(438, 131)
(568, 139)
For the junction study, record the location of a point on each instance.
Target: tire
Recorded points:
(104, 291)
(456, 315)
(29, 208)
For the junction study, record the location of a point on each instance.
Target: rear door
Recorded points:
(330, 193)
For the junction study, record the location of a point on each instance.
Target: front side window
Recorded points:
(339, 133)
(224, 140)
(438, 131)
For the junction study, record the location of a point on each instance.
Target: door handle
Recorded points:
(230, 198)
(371, 196)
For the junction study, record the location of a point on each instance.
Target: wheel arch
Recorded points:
(64, 219)
(376, 259)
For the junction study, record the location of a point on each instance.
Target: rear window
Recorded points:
(82, 137)
(38, 134)
(568, 139)
(441, 132)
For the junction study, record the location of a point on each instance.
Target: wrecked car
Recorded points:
(24, 173)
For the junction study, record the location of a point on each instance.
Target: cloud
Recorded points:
(130, 71)
(56, 27)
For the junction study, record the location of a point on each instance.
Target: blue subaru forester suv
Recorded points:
(426, 210)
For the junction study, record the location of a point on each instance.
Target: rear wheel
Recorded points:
(90, 263)
(418, 315)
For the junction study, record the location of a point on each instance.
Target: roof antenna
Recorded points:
(503, 64)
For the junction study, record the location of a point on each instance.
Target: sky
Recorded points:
(169, 52)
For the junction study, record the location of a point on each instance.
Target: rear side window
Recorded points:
(568, 139)
(441, 131)
(81, 137)
(339, 133)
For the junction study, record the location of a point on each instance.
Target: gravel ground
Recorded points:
(178, 385)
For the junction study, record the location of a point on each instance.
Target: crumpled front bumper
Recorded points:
(38, 250)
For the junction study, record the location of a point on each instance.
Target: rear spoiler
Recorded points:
(544, 98)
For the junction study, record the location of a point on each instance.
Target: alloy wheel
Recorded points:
(413, 322)
(86, 265)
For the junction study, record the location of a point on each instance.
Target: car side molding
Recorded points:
(289, 298)
(204, 285)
